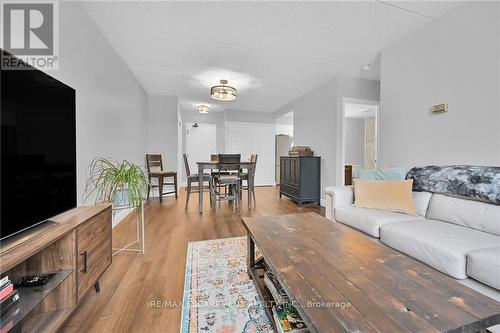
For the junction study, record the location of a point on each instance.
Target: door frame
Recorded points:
(343, 124)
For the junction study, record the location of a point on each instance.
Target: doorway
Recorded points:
(283, 128)
(360, 137)
(201, 142)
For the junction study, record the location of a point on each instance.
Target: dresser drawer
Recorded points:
(290, 191)
(94, 250)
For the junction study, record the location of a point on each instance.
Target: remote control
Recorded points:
(33, 280)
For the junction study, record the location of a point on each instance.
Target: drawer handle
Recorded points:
(84, 254)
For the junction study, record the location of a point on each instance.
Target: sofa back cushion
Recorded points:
(421, 201)
(467, 213)
(383, 174)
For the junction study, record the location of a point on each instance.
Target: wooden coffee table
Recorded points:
(341, 281)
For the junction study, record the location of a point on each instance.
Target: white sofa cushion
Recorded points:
(439, 244)
(337, 196)
(344, 195)
(467, 213)
(421, 202)
(484, 266)
(369, 220)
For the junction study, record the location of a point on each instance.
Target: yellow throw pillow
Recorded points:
(393, 196)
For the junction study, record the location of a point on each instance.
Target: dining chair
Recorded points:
(228, 174)
(245, 176)
(193, 178)
(154, 164)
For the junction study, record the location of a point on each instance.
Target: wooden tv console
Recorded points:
(77, 249)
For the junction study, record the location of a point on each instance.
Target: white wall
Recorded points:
(110, 103)
(162, 128)
(318, 121)
(248, 116)
(284, 124)
(284, 129)
(453, 60)
(314, 124)
(354, 89)
(355, 141)
(220, 119)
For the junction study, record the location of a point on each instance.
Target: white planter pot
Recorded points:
(121, 198)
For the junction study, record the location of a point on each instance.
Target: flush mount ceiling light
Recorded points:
(366, 67)
(223, 92)
(202, 108)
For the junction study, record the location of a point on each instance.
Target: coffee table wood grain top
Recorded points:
(342, 281)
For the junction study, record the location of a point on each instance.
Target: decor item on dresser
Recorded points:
(300, 178)
(298, 151)
(124, 185)
(472, 182)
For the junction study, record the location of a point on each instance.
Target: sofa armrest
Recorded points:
(337, 196)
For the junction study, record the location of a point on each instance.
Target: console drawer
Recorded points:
(94, 250)
(290, 191)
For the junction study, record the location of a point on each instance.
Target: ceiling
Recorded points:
(272, 52)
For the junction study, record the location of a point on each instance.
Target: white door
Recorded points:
(249, 138)
(201, 142)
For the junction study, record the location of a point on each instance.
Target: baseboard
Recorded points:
(322, 202)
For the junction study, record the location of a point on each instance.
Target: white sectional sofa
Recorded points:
(456, 236)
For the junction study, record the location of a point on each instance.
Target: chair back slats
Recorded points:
(253, 159)
(154, 162)
(186, 165)
(229, 162)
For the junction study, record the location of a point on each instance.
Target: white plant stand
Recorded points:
(139, 242)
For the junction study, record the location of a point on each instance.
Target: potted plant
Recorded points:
(123, 184)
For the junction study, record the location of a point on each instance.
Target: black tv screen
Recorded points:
(38, 140)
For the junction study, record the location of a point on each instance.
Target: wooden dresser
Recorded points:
(300, 178)
(77, 249)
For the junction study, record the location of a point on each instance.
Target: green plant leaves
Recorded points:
(107, 176)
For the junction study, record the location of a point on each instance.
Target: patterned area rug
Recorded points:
(218, 295)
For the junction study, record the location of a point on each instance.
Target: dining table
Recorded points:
(202, 166)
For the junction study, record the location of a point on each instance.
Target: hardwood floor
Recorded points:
(134, 281)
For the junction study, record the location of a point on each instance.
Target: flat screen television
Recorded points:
(38, 140)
